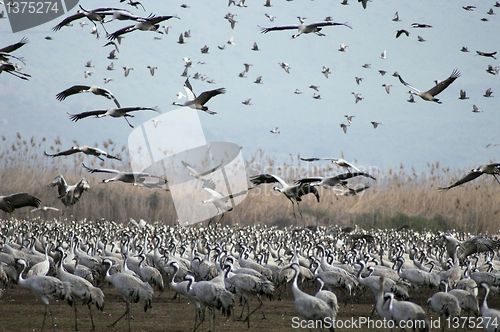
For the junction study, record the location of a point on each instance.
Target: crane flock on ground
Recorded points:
(218, 267)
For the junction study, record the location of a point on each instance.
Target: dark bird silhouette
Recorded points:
(402, 31)
(17, 201)
(487, 54)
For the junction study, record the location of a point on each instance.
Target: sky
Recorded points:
(412, 134)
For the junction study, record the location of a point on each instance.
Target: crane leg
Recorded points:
(44, 317)
(52, 318)
(76, 317)
(128, 122)
(254, 310)
(119, 318)
(494, 175)
(129, 316)
(91, 317)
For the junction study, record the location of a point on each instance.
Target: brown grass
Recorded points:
(399, 197)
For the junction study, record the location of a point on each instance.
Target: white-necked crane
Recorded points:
(127, 177)
(121, 112)
(198, 102)
(430, 95)
(88, 150)
(303, 28)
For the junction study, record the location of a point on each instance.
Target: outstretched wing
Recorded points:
(20, 200)
(437, 89)
(100, 170)
(13, 47)
(305, 189)
(62, 153)
(79, 116)
(316, 159)
(325, 24)
(107, 94)
(68, 20)
(351, 175)
(408, 85)
(121, 31)
(469, 177)
(207, 95)
(266, 178)
(285, 27)
(71, 91)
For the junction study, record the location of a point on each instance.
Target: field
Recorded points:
(21, 312)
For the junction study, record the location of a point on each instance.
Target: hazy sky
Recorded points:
(414, 134)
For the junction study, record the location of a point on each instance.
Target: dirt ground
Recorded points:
(20, 311)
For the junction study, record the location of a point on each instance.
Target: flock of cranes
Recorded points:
(215, 268)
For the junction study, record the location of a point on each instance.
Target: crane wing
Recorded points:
(13, 47)
(285, 27)
(437, 89)
(20, 200)
(207, 95)
(469, 177)
(79, 116)
(71, 91)
(100, 170)
(63, 153)
(408, 85)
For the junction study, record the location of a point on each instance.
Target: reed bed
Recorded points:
(399, 197)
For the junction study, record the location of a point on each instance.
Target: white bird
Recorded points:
(275, 130)
(152, 70)
(387, 88)
(343, 47)
(357, 97)
(286, 67)
(383, 55)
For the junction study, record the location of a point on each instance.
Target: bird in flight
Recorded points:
(86, 88)
(198, 102)
(490, 169)
(430, 94)
(88, 150)
(303, 28)
(112, 112)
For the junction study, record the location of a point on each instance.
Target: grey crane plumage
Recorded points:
(131, 289)
(430, 95)
(45, 288)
